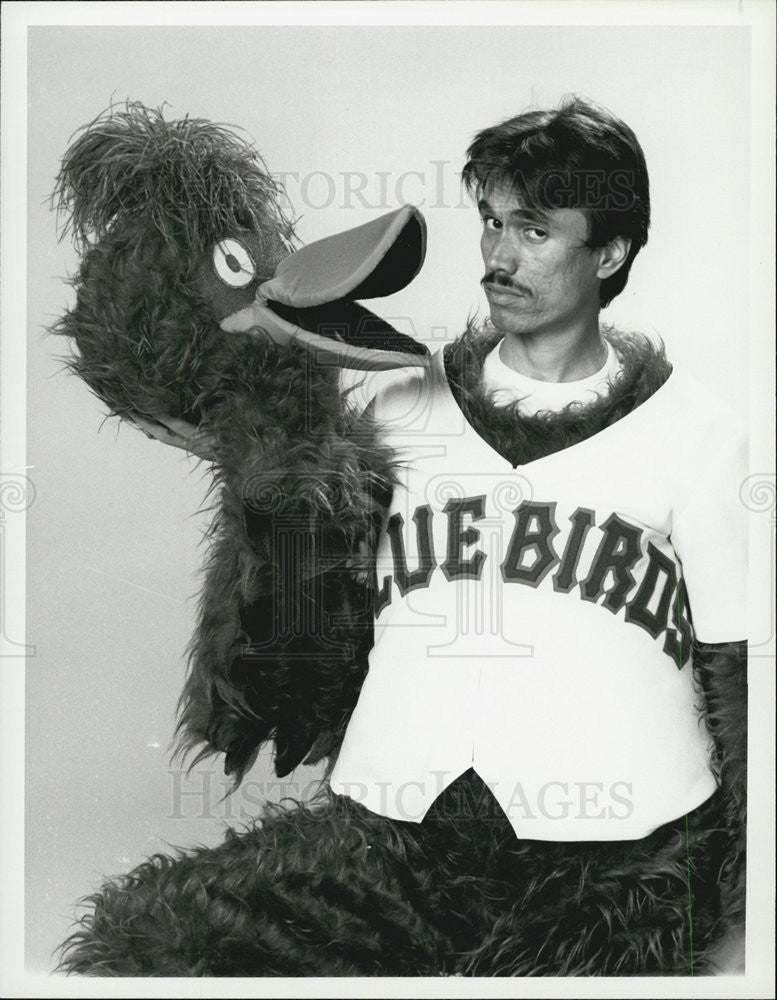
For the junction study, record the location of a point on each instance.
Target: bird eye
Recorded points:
(233, 264)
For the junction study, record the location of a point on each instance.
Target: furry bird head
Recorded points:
(177, 224)
(193, 181)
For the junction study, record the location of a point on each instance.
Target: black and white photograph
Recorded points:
(387, 507)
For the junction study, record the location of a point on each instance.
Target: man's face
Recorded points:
(539, 275)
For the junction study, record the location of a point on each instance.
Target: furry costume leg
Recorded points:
(646, 907)
(332, 889)
(328, 889)
(721, 674)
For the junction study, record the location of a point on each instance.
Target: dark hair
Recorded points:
(579, 156)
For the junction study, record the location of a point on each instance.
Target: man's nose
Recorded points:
(502, 255)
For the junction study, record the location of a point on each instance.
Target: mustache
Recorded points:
(503, 280)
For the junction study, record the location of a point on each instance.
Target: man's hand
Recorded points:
(180, 434)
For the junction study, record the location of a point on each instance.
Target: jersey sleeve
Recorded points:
(710, 536)
(362, 389)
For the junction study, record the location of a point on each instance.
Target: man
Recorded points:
(525, 786)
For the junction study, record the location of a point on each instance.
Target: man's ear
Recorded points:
(612, 256)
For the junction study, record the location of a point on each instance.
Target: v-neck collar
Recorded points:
(451, 403)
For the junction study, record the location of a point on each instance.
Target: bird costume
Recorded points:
(325, 552)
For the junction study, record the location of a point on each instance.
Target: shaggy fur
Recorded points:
(296, 475)
(285, 627)
(522, 439)
(721, 672)
(332, 889)
(190, 181)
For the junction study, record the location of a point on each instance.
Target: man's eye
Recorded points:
(489, 222)
(536, 233)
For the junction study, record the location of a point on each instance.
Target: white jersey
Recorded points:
(535, 623)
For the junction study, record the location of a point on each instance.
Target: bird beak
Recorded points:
(317, 288)
(259, 319)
